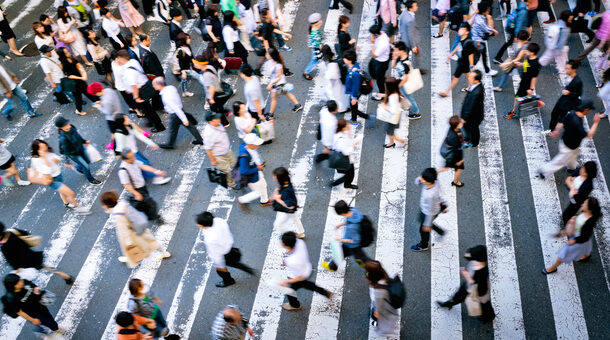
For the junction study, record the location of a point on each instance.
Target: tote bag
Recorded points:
(337, 160)
(387, 115)
(415, 81)
(94, 155)
(266, 130)
(38, 178)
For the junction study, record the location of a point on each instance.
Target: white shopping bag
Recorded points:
(275, 283)
(94, 155)
(337, 252)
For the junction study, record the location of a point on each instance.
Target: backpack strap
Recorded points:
(129, 331)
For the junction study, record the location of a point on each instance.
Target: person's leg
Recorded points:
(349, 176)
(460, 295)
(67, 195)
(569, 212)
(292, 98)
(174, 125)
(281, 219)
(350, 7)
(456, 175)
(185, 8)
(572, 161)
(360, 256)
(504, 47)
(340, 179)
(18, 91)
(483, 51)
(225, 163)
(454, 82)
(46, 318)
(252, 195)
(414, 108)
(280, 39)
(589, 49)
(261, 188)
(151, 116)
(183, 84)
(298, 223)
(313, 61)
(502, 81)
(273, 103)
(195, 133)
(82, 165)
(423, 233)
(555, 115)
(559, 161)
(225, 275)
(313, 287)
(293, 300)
(380, 76)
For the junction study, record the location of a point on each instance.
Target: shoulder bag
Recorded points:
(337, 160)
(30, 240)
(145, 308)
(38, 178)
(415, 81)
(266, 130)
(67, 37)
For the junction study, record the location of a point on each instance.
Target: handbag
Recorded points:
(94, 155)
(337, 160)
(67, 37)
(507, 66)
(387, 116)
(217, 176)
(415, 81)
(447, 153)
(30, 240)
(266, 130)
(227, 92)
(233, 256)
(472, 301)
(281, 208)
(145, 308)
(38, 178)
(233, 63)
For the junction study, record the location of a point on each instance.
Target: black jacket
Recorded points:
(71, 142)
(571, 101)
(473, 106)
(150, 62)
(174, 30)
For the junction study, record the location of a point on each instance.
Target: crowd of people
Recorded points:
(252, 37)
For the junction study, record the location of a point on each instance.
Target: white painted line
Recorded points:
(266, 310)
(563, 288)
(324, 314)
(32, 4)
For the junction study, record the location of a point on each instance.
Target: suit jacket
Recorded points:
(473, 107)
(174, 30)
(134, 55)
(150, 62)
(409, 33)
(571, 101)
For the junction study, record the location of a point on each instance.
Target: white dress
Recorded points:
(78, 47)
(333, 87)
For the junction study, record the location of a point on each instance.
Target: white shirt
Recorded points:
(117, 71)
(172, 102)
(44, 41)
(129, 141)
(256, 157)
(297, 262)
(133, 74)
(241, 122)
(230, 36)
(5, 155)
(344, 143)
(50, 65)
(443, 6)
(382, 48)
(328, 127)
(52, 169)
(112, 28)
(252, 92)
(132, 174)
(215, 138)
(218, 240)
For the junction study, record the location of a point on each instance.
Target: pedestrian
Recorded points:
(604, 92)
(130, 176)
(126, 134)
(216, 95)
(391, 103)
(213, 27)
(431, 204)
(112, 27)
(580, 24)
(9, 85)
(251, 168)
(482, 29)
(7, 34)
(352, 84)
(314, 42)
(19, 255)
(80, 11)
(334, 89)
(545, 5)
(451, 150)
(109, 103)
(439, 15)
(573, 134)
(173, 106)
(520, 44)
(148, 58)
(7, 162)
(474, 290)
(147, 7)
(580, 185)
(230, 324)
(218, 148)
(299, 269)
(602, 34)
(570, 96)
(473, 109)
(51, 66)
(69, 34)
(41, 37)
(409, 33)
(23, 299)
(76, 80)
(380, 59)
(184, 57)
(334, 4)
(529, 70)
(129, 326)
(121, 85)
(132, 47)
(174, 26)
(556, 40)
(244, 123)
(161, 11)
(278, 84)
(402, 67)
(131, 17)
(385, 317)
(230, 34)
(520, 23)
(219, 246)
(267, 31)
(45, 168)
(468, 57)
(532, 9)
(386, 14)
(327, 128)
(72, 146)
(255, 103)
(343, 142)
(278, 21)
(345, 40)
(143, 302)
(350, 242)
(285, 202)
(100, 57)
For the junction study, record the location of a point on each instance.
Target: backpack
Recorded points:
(241, 180)
(145, 308)
(366, 82)
(367, 232)
(456, 17)
(511, 21)
(397, 292)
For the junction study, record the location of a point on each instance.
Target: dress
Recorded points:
(333, 88)
(570, 253)
(131, 17)
(78, 47)
(5, 29)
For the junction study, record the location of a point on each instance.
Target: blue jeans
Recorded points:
(280, 38)
(81, 163)
(414, 108)
(191, 74)
(17, 92)
(58, 182)
(503, 80)
(312, 63)
(143, 159)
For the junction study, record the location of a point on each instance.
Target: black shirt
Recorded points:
(573, 130)
(266, 32)
(344, 39)
(468, 48)
(529, 70)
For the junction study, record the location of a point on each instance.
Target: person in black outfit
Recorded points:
(76, 84)
(473, 109)
(579, 23)
(467, 59)
(149, 60)
(570, 96)
(147, 6)
(451, 150)
(266, 33)
(72, 146)
(580, 183)
(174, 25)
(528, 70)
(186, 6)
(334, 4)
(545, 6)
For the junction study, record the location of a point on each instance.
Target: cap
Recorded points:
(253, 139)
(174, 12)
(94, 88)
(315, 17)
(61, 122)
(211, 115)
(585, 104)
(45, 48)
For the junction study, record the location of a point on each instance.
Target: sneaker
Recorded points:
(123, 259)
(540, 175)
(288, 74)
(95, 182)
(164, 332)
(354, 122)
(158, 180)
(266, 204)
(187, 94)
(492, 73)
(454, 57)
(416, 247)
(69, 205)
(510, 115)
(297, 108)
(414, 116)
(288, 307)
(34, 115)
(326, 265)
(23, 183)
(223, 284)
(466, 146)
(286, 48)
(497, 61)
(166, 146)
(82, 211)
(546, 133)
(196, 142)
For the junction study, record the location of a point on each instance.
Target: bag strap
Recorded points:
(128, 175)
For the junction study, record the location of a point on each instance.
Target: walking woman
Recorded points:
(7, 162)
(143, 302)
(125, 135)
(579, 231)
(100, 56)
(184, 55)
(45, 165)
(344, 143)
(346, 42)
(475, 288)
(131, 17)
(391, 103)
(278, 83)
(230, 34)
(451, 150)
(580, 184)
(24, 299)
(72, 146)
(385, 317)
(68, 33)
(285, 202)
(333, 87)
(41, 37)
(213, 28)
(76, 82)
(8, 36)
(314, 43)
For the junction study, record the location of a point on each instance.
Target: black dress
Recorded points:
(5, 29)
(18, 254)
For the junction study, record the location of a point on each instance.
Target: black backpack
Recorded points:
(456, 17)
(367, 232)
(366, 82)
(397, 292)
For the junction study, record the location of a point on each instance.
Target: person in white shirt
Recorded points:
(252, 92)
(381, 59)
(173, 106)
(244, 123)
(112, 27)
(218, 242)
(7, 162)
(327, 128)
(218, 148)
(50, 65)
(120, 85)
(334, 89)
(343, 142)
(251, 166)
(126, 134)
(299, 268)
(230, 35)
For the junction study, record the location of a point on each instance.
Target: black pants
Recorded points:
(115, 45)
(80, 89)
(504, 47)
(239, 51)
(185, 8)
(473, 135)
(219, 107)
(347, 178)
(294, 302)
(359, 255)
(483, 50)
(147, 6)
(377, 70)
(60, 96)
(356, 112)
(425, 235)
(545, 6)
(335, 5)
(322, 157)
(559, 111)
(128, 98)
(45, 318)
(597, 4)
(255, 115)
(147, 205)
(147, 109)
(174, 125)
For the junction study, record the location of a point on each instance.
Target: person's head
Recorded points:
(589, 170)
(253, 141)
(205, 219)
(62, 14)
(38, 29)
(532, 49)
(62, 124)
(44, 19)
(375, 30)
(591, 204)
(391, 87)
(429, 176)
(12, 283)
(572, 67)
(289, 239)
(523, 35)
(274, 54)
(265, 15)
(343, 23)
(332, 106)
(246, 71)
(124, 319)
(375, 272)
(239, 108)
(212, 11)
(349, 57)
(475, 76)
(121, 120)
(231, 316)
(38, 146)
(105, 12)
(128, 155)
(400, 48)
(109, 199)
(455, 122)
(483, 7)
(131, 40)
(46, 50)
(341, 208)
(228, 18)
(281, 176)
(65, 57)
(90, 36)
(122, 56)
(175, 14)
(342, 125)
(135, 286)
(95, 89)
(476, 253)
(566, 16)
(327, 53)
(145, 39)
(585, 106)
(315, 21)
(213, 118)
(464, 29)
(158, 83)
(412, 6)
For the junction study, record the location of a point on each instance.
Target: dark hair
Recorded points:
(62, 14)
(36, 146)
(454, 121)
(595, 208)
(275, 55)
(327, 53)
(174, 13)
(62, 53)
(35, 25)
(391, 87)
(123, 53)
(129, 40)
(109, 198)
(228, 318)
(341, 124)
(135, 285)
(247, 70)
(533, 48)
(574, 63)
(350, 55)
(343, 19)
(172, 337)
(212, 8)
(523, 35)
(331, 105)
(10, 281)
(89, 40)
(104, 11)
(341, 207)
(565, 16)
(289, 239)
(283, 176)
(124, 319)
(227, 19)
(119, 122)
(2, 227)
(478, 75)
(375, 272)
(429, 175)
(264, 12)
(205, 219)
(401, 46)
(466, 25)
(482, 7)
(143, 36)
(43, 17)
(410, 4)
(591, 169)
(236, 105)
(181, 39)
(375, 29)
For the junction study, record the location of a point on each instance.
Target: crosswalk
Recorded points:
(86, 310)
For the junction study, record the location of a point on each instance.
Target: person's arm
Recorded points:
(212, 92)
(153, 170)
(530, 91)
(208, 28)
(32, 320)
(293, 280)
(112, 34)
(259, 107)
(139, 136)
(585, 232)
(593, 128)
(244, 167)
(226, 34)
(211, 157)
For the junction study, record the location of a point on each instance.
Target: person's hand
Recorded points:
(460, 162)
(376, 315)
(53, 85)
(284, 283)
(338, 226)
(1, 140)
(597, 117)
(260, 166)
(154, 147)
(185, 123)
(37, 290)
(36, 322)
(214, 163)
(139, 100)
(426, 229)
(354, 101)
(250, 332)
(8, 94)
(88, 142)
(215, 40)
(122, 46)
(494, 31)
(269, 87)
(158, 301)
(8, 57)
(464, 272)
(211, 101)
(581, 15)
(571, 242)
(565, 92)
(555, 134)
(449, 57)
(530, 92)
(138, 196)
(161, 173)
(573, 192)
(288, 36)
(70, 166)
(338, 238)
(352, 41)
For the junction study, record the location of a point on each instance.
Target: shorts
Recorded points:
(8, 163)
(58, 182)
(461, 70)
(389, 128)
(441, 18)
(453, 166)
(531, 17)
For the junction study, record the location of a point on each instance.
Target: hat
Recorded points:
(211, 115)
(315, 17)
(253, 139)
(45, 49)
(61, 122)
(174, 12)
(585, 104)
(94, 88)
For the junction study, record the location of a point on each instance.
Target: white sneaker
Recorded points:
(454, 57)
(187, 94)
(23, 183)
(82, 211)
(161, 180)
(546, 133)
(492, 73)
(206, 106)
(123, 259)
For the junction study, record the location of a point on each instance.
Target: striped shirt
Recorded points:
(315, 38)
(221, 330)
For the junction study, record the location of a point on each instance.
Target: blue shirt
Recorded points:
(352, 81)
(247, 167)
(352, 228)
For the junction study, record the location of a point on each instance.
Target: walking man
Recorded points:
(409, 33)
(381, 59)
(328, 128)
(467, 59)
(230, 324)
(150, 61)
(9, 85)
(251, 166)
(252, 92)
(218, 148)
(430, 205)
(570, 96)
(53, 73)
(473, 111)
(109, 104)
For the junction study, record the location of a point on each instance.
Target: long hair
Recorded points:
(119, 121)
(391, 87)
(283, 176)
(327, 53)
(36, 25)
(65, 58)
(595, 208)
(36, 147)
(62, 14)
(343, 19)
(375, 272)
(341, 124)
(89, 40)
(275, 55)
(227, 19)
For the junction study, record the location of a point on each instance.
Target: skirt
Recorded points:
(570, 253)
(131, 17)
(6, 31)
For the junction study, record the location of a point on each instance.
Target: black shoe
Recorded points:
(166, 146)
(457, 185)
(257, 72)
(95, 182)
(388, 146)
(415, 116)
(223, 284)
(297, 108)
(288, 74)
(350, 186)
(69, 280)
(196, 142)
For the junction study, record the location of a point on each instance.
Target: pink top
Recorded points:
(603, 32)
(387, 10)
